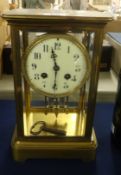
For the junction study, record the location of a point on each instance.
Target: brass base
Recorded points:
(27, 149)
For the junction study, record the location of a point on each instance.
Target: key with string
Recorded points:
(40, 126)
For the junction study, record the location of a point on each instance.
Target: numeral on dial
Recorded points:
(65, 86)
(78, 68)
(74, 78)
(36, 76)
(34, 66)
(37, 55)
(57, 45)
(68, 49)
(76, 57)
(45, 48)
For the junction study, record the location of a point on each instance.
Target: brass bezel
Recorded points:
(44, 37)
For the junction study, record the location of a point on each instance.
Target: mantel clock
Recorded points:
(56, 56)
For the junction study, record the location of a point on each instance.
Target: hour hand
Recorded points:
(53, 54)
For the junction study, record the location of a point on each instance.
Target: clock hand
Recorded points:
(53, 56)
(55, 84)
(56, 68)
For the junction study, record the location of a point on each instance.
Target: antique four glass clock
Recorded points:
(56, 66)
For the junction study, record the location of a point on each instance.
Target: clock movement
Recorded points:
(56, 66)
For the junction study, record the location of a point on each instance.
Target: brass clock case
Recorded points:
(74, 113)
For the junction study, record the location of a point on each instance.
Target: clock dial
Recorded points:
(56, 64)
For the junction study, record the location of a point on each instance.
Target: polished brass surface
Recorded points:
(28, 149)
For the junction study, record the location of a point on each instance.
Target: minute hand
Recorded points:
(56, 68)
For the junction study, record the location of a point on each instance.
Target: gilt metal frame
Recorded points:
(36, 20)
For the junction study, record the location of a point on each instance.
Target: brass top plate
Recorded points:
(81, 15)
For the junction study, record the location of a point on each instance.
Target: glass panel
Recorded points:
(69, 112)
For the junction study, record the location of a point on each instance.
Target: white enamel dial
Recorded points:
(56, 65)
